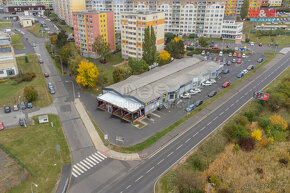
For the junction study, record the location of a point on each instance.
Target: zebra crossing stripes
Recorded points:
(87, 163)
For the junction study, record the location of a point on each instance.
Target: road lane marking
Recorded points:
(221, 113)
(178, 147)
(227, 109)
(241, 97)
(102, 154)
(170, 154)
(96, 158)
(160, 161)
(195, 134)
(202, 128)
(99, 156)
(138, 178)
(82, 167)
(74, 175)
(76, 172)
(237, 100)
(128, 186)
(149, 170)
(88, 163)
(76, 167)
(215, 118)
(208, 124)
(232, 104)
(187, 140)
(91, 161)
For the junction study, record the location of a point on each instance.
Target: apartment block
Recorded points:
(231, 7)
(275, 3)
(8, 65)
(88, 25)
(255, 4)
(64, 8)
(133, 26)
(47, 3)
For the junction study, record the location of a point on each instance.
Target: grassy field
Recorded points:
(10, 91)
(280, 39)
(35, 146)
(115, 59)
(35, 30)
(16, 41)
(5, 24)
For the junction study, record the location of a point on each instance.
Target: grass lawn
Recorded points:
(280, 39)
(115, 59)
(10, 91)
(5, 24)
(35, 146)
(16, 41)
(35, 29)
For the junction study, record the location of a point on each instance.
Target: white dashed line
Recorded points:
(215, 118)
(195, 134)
(149, 170)
(232, 105)
(227, 109)
(241, 97)
(202, 128)
(178, 147)
(221, 113)
(128, 186)
(208, 124)
(138, 178)
(237, 101)
(160, 161)
(187, 140)
(170, 154)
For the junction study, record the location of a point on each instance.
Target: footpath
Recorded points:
(171, 136)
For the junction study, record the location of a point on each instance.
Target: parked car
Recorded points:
(212, 81)
(230, 54)
(22, 122)
(215, 48)
(190, 108)
(226, 84)
(2, 126)
(239, 61)
(50, 85)
(212, 93)
(226, 71)
(46, 75)
(33, 45)
(208, 53)
(235, 54)
(198, 103)
(15, 108)
(188, 44)
(219, 60)
(7, 109)
(40, 61)
(194, 91)
(260, 44)
(234, 60)
(244, 55)
(51, 91)
(206, 83)
(252, 44)
(245, 71)
(260, 60)
(22, 105)
(240, 75)
(221, 53)
(250, 67)
(203, 53)
(29, 105)
(205, 58)
(229, 63)
(239, 55)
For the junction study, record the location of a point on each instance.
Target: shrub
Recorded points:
(228, 130)
(240, 132)
(257, 134)
(190, 48)
(250, 114)
(196, 163)
(264, 142)
(279, 135)
(278, 120)
(236, 147)
(259, 170)
(189, 54)
(214, 179)
(30, 94)
(242, 120)
(283, 161)
(271, 140)
(264, 122)
(247, 144)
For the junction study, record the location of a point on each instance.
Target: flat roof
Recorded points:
(4, 42)
(154, 83)
(141, 12)
(91, 12)
(120, 101)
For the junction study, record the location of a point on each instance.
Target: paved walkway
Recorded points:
(46, 110)
(97, 141)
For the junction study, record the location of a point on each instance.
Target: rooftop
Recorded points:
(154, 83)
(141, 12)
(91, 12)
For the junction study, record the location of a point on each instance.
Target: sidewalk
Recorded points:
(165, 140)
(97, 141)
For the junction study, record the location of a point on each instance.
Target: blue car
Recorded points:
(240, 75)
(226, 71)
(190, 108)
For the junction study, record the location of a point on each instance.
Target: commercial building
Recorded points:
(26, 21)
(22, 8)
(133, 29)
(275, 3)
(139, 95)
(231, 28)
(47, 3)
(64, 8)
(88, 25)
(8, 65)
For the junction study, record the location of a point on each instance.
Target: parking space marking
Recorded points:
(179, 147)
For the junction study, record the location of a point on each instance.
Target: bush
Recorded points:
(279, 135)
(250, 114)
(196, 163)
(264, 122)
(189, 54)
(283, 161)
(240, 131)
(228, 130)
(247, 144)
(236, 147)
(242, 120)
(214, 179)
(30, 94)
(190, 48)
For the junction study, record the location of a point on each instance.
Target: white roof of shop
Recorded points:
(121, 101)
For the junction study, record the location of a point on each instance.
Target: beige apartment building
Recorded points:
(8, 65)
(133, 26)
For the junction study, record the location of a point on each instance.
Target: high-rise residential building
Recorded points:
(255, 4)
(239, 6)
(47, 3)
(265, 3)
(231, 7)
(88, 25)
(64, 8)
(133, 26)
(275, 3)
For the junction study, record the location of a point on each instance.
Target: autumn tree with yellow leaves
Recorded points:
(87, 74)
(164, 57)
(257, 134)
(278, 120)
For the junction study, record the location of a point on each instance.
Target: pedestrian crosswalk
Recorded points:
(87, 163)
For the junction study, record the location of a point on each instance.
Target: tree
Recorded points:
(102, 48)
(74, 62)
(164, 56)
(30, 94)
(53, 39)
(137, 66)
(149, 46)
(203, 42)
(257, 134)
(258, 33)
(61, 39)
(121, 73)
(47, 12)
(192, 36)
(278, 120)
(26, 59)
(169, 37)
(66, 52)
(87, 74)
(175, 48)
(153, 46)
(245, 9)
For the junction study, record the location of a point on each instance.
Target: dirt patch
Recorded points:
(11, 174)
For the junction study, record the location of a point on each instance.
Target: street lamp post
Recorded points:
(73, 86)
(31, 186)
(19, 102)
(60, 63)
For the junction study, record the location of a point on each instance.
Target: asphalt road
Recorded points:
(142, 178)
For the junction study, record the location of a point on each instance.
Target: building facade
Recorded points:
(133, 26)
(8, 65)
(232, 29)
(255, 4)
(88, 25)
(275, 3)
(64, 8)
(47, 3)
(231, 7)
(22, 8)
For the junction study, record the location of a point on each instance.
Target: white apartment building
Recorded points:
(232, 29)
(47, 3)
(133, 26)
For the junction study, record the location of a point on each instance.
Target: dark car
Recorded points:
(22, 106)
(250, 67)
(226, 71)
(212, 93)
(22, 121)
(260, 60)
(7, 109)
(197, 103)
(29, 105)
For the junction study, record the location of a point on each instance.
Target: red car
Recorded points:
(239, 55)
(219, 60)
(226, 84)
(1, 126)
(239, 61)
(260, 44)
(46, 75)
(235, 54)
(215, 48)
(188, 44)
